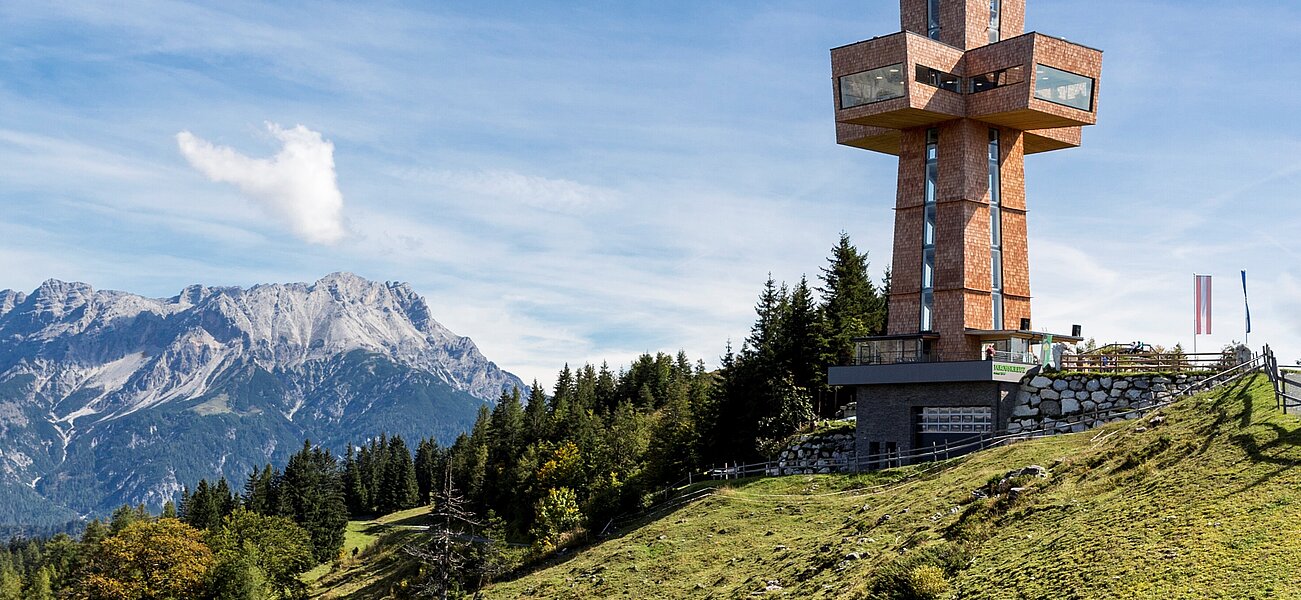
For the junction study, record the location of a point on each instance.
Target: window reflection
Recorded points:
(939, 79)
(933, 19)
(1062, 87)
(867, 87)
(998, 79)
(995, 10)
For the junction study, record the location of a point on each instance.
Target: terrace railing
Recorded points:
(1286, 382)
(1161, 362)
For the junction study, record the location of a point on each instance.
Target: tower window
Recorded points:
(928, 228)
(997, 79)
(884, 83)
(939, 79)
(933, 19)
(995, 230)
(995, 17)
(1063, 87)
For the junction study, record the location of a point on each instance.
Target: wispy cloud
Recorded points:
(557, 195)
(297, 185)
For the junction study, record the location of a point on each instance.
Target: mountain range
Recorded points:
(108, 397)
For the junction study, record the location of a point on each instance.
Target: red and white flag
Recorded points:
(1202, 304)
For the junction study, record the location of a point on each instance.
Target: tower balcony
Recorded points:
(1045, 86)
(1034, 82)
(876, 82)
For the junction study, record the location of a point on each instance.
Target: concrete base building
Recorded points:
(960, 96)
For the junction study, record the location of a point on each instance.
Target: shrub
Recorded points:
(922, 574)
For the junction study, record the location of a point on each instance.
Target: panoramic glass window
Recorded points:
(1062, 87)
(998, 79)
(939, 79)
(995, 8)
(928, 235)
(974, 419)
(867, 87)
(995, 228)
(933, 19)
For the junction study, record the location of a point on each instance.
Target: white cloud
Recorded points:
(297, 185)
(557, 195)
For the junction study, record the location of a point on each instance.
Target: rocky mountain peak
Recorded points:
(242, 373)
(9, 299)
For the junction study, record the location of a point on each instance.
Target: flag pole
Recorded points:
(1246, 307)
(1197, 311)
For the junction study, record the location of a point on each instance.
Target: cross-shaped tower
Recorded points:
(961, 95)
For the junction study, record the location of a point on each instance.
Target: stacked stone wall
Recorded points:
(1076, 403)
(818, 454)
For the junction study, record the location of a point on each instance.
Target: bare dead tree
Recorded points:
(448, 550)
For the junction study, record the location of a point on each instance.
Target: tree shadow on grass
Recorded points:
(1282, 449)
(1236, 392)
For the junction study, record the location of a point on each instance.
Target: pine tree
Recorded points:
(606, 390)
(11, 584)
(40, 586)
(671, 453)
(311, 493)
(445, 550)
(431, 464)
(260, 491)
(354, 490)
(198, 508)
(803, 342)
(126, 515)
(398, 489)
(506, 441)
(536, 419)
(851, 304)
(561, 403)
(223, 499)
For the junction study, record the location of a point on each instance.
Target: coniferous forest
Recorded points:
(545, 466)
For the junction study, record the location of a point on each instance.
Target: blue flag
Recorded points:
(1244, 300)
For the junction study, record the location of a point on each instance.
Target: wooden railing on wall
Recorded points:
(1148, 362)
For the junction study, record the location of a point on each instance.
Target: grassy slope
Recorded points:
(380, 563)
(1205, 505)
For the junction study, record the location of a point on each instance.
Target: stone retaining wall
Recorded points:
(817, 453)
(1075, 403)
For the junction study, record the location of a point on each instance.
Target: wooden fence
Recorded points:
(1141, 362)
(1287, 382)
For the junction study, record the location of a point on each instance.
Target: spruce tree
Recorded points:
(506, 441)
(354, 490)
(431, 463)
(398, 489)
(561, 401)
(851, 305)
(606, 390)
(311, 493)
(40, 586)
(803, 342)
(536, 419)
(259, 491)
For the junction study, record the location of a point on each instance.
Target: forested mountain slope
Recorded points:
(107, 397)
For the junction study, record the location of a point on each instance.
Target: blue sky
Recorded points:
(578, 181)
